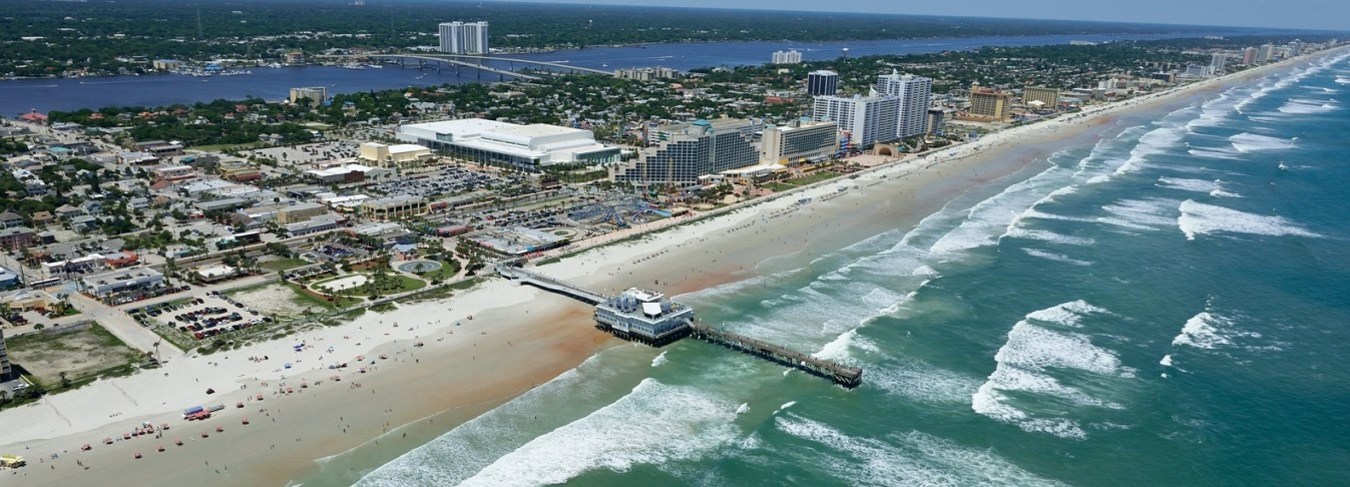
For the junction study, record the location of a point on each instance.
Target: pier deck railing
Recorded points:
(841, 374)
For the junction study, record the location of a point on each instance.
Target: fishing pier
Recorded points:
(647, 317)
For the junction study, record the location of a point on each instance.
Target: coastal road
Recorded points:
(125, 328)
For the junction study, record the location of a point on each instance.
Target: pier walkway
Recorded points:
(843, 375)
(550, 284)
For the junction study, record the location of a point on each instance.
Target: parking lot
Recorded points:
(304, 155)
(201, 317)
(447, 181)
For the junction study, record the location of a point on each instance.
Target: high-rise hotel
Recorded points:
(464, 37)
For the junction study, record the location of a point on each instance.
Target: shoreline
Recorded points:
(519, 351)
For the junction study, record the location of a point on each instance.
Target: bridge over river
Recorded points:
(478, 62)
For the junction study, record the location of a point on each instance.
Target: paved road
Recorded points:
(125, 328)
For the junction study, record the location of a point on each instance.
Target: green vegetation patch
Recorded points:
(82, 354)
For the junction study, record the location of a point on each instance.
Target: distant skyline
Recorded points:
(1291, 14)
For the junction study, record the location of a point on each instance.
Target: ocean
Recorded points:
(1167, 306)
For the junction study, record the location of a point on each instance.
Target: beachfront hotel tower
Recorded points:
(1040, 96)
(915, 93)
(464, 37)
(4, 359)
(867, 120)
(988, 104)
(808, 141)
(689, 151)
(822, 83)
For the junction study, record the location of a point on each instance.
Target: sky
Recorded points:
(1294, 14)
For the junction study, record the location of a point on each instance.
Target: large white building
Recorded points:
(1218, 61)
(810, 141)
(866, 119)
(787, 57)
(464, 37)
(915, 93)
(697, 149)
(507, 144)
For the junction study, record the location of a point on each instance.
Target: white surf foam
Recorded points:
(1068, 314)
(1166, 360)
(676, 424)
(1213, 188)
(787, 405)
(1049, 236)
(1308, 107)
(1202, 219)
(1055, 257)
(919, 381)
(1342, 80)
(1141, 214)
(660, 359)
(910, 458)
(1249, 142)
(1032, 354)
(1214, 154)
(1201, 331)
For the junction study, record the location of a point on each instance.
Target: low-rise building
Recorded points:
(121, 281)
(396, 155)
(644, 316)
(394, 207)
(316, 224)
(18, 237)
(300, 212)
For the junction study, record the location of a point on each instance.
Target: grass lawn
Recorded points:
(816, 177)
(305, 299)
(282, 264)
(80, 354)
(448, 270)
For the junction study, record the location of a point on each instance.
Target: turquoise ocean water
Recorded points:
(1169, 306)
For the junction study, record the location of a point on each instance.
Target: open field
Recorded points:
(80, 354)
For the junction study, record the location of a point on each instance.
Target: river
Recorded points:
(19, 96)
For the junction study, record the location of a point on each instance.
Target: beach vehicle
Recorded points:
(192, 411)
(215, 408)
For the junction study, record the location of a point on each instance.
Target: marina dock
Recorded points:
(647, 317)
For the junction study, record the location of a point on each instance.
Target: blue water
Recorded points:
(20, 96)
(1167, 306)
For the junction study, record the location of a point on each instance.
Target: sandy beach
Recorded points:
(482, 347)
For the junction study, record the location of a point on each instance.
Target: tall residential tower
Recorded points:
(914, 92)
(464, 37)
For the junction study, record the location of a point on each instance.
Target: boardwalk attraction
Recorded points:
(647, 317)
